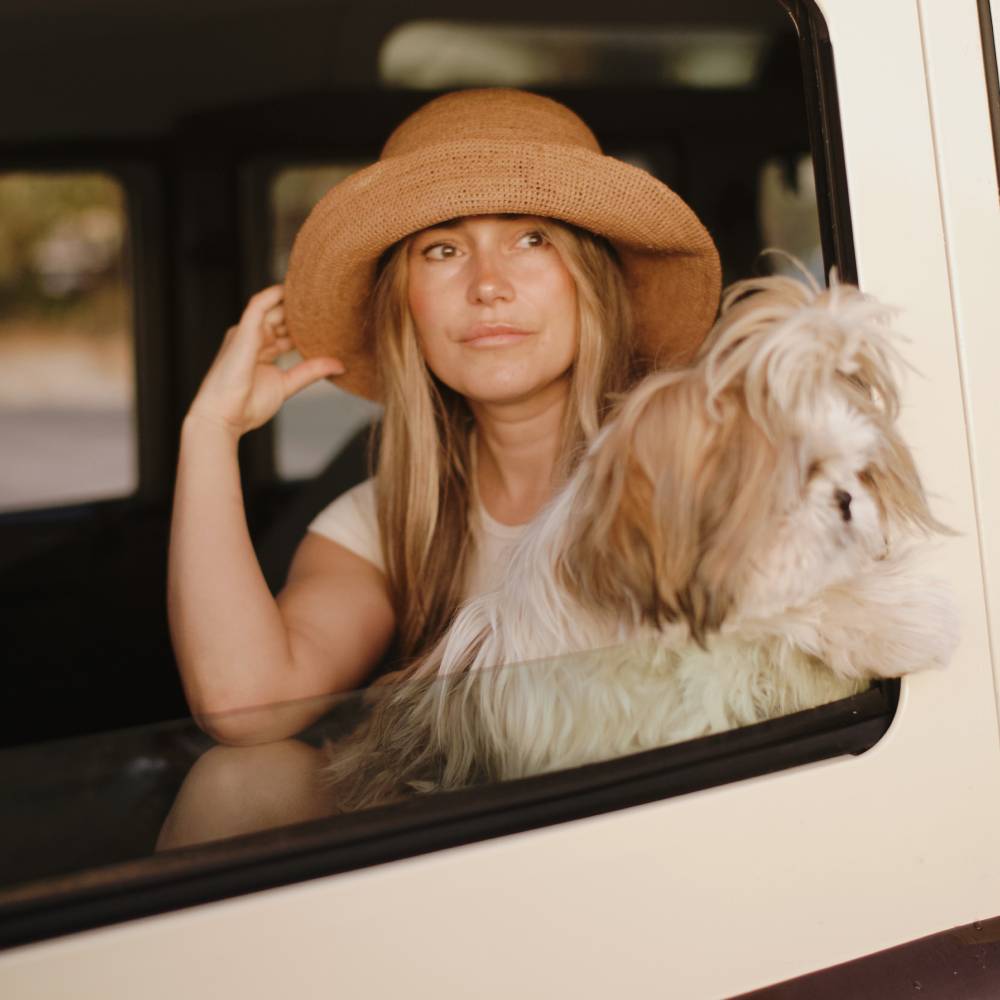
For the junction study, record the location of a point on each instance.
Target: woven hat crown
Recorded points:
(494, 115)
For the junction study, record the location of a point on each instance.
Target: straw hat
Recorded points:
(486, 152)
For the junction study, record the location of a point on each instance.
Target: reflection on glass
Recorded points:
(79, 809)
(412, 737)
(67, 428)
(231, 791)
(316, 423)
(518, 721)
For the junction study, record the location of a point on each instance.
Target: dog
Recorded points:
(739, 542)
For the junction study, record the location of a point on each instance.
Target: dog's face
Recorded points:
(749, 482)
(827, 517)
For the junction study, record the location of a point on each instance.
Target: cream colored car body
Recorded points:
(729, 889)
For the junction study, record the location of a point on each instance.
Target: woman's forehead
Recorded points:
(467, 221)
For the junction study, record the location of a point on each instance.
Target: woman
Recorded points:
(438, 281)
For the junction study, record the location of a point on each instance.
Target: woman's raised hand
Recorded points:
(244, 388)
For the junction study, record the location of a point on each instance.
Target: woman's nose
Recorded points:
(489, 282)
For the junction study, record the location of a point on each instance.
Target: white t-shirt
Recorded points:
(351, 521)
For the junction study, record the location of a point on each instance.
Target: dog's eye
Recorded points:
(867, 477)
(815, 466)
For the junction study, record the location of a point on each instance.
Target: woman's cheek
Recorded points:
(420, 308)
(446, 363)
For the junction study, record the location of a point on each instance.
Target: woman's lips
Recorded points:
(493, 335)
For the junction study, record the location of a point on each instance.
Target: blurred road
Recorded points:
(64, 455)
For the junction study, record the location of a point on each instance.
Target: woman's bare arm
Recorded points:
(238, 648)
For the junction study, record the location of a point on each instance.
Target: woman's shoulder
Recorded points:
(352, 521)
(358, 501)
(363, 494)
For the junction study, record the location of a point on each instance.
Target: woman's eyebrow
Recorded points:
(449, 224)
(462, 221)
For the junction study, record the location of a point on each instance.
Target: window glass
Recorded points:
(97, 814)
(315, 424)
(745, 169)
(67, 385)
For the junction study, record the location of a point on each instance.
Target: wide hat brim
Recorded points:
(670, 262)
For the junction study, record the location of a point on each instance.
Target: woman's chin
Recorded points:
(500, 392)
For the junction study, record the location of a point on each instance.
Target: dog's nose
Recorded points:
(843, 500)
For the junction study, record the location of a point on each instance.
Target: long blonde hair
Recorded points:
(425, 471)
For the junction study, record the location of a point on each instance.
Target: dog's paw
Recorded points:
(936, 621)
(887, 625)
(918, 627)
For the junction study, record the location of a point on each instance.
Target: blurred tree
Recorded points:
(61, 235)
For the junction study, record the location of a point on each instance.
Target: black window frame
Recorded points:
(992, 79)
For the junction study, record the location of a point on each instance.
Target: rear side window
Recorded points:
(67, 383)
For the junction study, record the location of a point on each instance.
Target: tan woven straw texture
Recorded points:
(484, 152)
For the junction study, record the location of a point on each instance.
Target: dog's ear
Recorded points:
(895, 484)
(672, 499)
(735, 490)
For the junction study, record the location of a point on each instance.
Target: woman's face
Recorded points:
(494, 307)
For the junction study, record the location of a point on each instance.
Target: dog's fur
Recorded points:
(736, 545)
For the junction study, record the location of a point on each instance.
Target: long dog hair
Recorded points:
(736, 544)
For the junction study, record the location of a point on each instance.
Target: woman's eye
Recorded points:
(532, 239)
(439, 251)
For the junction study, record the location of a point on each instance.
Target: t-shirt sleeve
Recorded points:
(351, 521)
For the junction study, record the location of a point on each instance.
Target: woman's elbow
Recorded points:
(244, 727)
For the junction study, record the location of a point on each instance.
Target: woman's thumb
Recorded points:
(306, 372)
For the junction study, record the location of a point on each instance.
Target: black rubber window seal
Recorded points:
(992, 78)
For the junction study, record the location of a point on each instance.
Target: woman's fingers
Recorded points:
(250, 334)
(260, 302)
(243, 388)
(274, 319)
(265, 304)
(275, 348)
(307, 372)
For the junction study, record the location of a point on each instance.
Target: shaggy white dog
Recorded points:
(737, 544)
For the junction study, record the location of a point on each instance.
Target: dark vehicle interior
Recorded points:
(196, 112)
